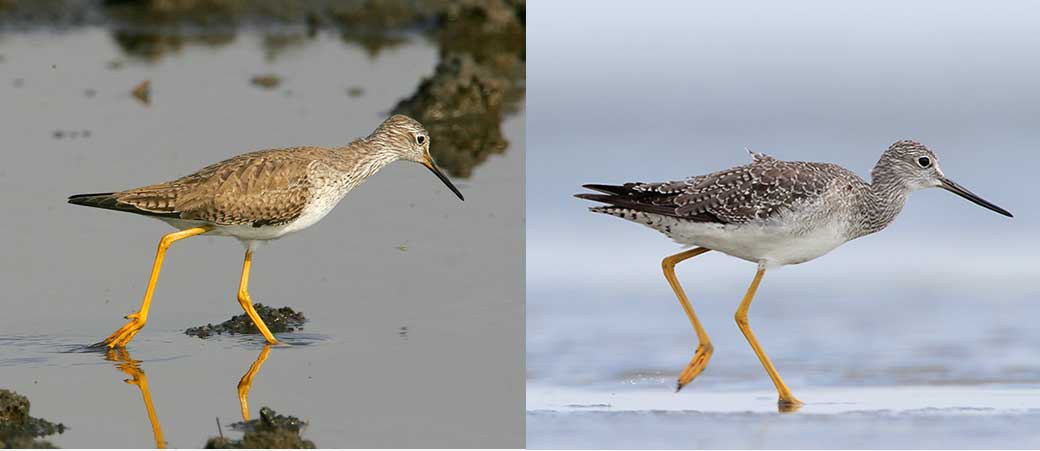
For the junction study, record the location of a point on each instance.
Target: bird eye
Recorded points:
(924, 162)
(420, 139)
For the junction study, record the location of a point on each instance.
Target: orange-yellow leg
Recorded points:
(121, 337)
(704, 347)
(246, 383)
(137, 377)
(247, 303)
(787, 400)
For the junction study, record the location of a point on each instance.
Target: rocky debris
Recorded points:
(492, 31)
(18, 429)
(167, 11)
(271, 430)
(143, 92)
(152, 44)
(278, 320)
(266, 81)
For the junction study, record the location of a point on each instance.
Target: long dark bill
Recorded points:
(954, 188)
(436, 171)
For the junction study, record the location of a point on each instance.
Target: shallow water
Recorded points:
(951, 417)
(415, 299)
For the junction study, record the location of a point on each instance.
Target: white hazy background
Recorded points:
(621, 92)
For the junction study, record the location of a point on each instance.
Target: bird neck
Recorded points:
(364, 157)
(883, 201)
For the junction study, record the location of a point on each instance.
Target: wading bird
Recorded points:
(773, 213)
(261, 196)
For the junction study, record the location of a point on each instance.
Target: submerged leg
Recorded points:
(704, 347)
(247, 303)
(787, 400)
(126, 333)
(246, 383)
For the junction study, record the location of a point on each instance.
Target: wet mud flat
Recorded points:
(950, 417)
(18, 429)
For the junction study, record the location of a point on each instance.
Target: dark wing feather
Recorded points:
(733, 196)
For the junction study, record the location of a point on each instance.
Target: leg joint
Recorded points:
(166, 242)
(707, 347)
(742, 320)
(668, 263)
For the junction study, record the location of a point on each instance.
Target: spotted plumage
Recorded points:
(772, 213)
(758, 211)
(738, 195)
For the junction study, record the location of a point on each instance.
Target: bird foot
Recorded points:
(120, 338)
(789, 404)
(696, 365)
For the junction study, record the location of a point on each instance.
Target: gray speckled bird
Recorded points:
(773, 213)
(261, 196)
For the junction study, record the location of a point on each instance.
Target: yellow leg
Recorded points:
(247, 303)
(787, 400)
(246, 383)
(137, 377)
(126, 333)
(704, 347)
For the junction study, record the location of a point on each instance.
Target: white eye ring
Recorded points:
(420, 139)
(924, 162)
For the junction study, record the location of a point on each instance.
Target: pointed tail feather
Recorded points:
(98, 200)
(626, 197)
(610, 189)
(108, 201)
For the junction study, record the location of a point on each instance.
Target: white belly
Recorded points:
(768, 245)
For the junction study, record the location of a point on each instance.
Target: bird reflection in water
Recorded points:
(246, 383)
(132, 368)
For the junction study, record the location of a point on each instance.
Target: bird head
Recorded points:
(408, 140)
(915, 167)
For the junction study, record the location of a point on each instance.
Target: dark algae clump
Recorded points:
(478, 79)
(266, 81)
(18, 429)
(270, 431)
(279, 320)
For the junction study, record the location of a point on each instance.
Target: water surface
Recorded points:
(415, 299)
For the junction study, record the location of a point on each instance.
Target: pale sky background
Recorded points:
(623, 93)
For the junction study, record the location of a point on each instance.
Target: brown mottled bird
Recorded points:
(261, 196)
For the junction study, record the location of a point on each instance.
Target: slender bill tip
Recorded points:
(951, 186)
(436, 171)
